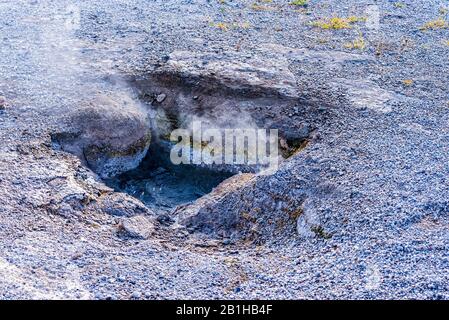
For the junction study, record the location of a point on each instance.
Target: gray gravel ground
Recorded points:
(378, 177)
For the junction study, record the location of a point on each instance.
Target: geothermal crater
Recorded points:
(219, 94)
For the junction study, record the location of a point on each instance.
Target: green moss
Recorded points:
(300, 3)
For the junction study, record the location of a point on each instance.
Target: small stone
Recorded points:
(119, 205)
(160, 98)
(3, 103)
(76, 256)
(165, 220)
(136, 295)
(137, 227)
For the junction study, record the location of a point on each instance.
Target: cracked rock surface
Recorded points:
(360, 212)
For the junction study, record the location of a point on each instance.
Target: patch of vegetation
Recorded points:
(358, 44)
(321, 233)
(354, 19)
(300, 3)
(407, 44)
(247, 216)
(407, 82)
(337, 23)
(259, 5)
(436, 24)
(223, 26)
(399, 5)
(294, 215)
(289, 148)
(303, 11)
(226, 26)
(380, 47)
(243, 25)
(322, 40)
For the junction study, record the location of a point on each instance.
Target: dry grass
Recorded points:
(295, 214)
(223, 26)
(243, 25)
(358, 44)
(436, 24)
(337, 23)
(261, 5)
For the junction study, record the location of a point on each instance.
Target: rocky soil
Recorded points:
(358, 209)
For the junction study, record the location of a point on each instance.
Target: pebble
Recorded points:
(136, 295)
(160, 98)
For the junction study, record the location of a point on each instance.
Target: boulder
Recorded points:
(109, 135)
